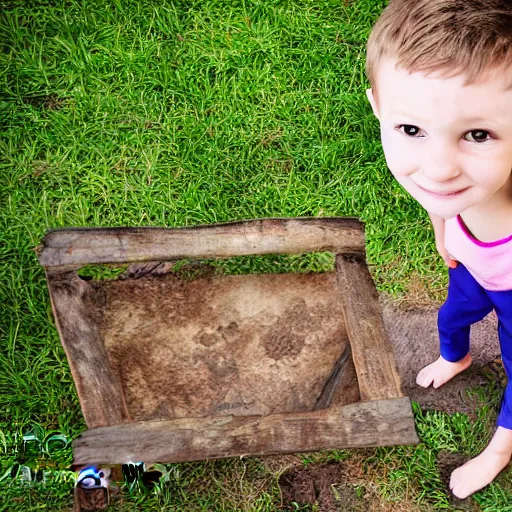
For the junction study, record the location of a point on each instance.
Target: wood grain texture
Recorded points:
(371, 350)
(99, 390)
(64, 247)
(376, 423)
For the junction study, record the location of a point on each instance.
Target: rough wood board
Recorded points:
(77, 310)
(376, 423)
(245, 345)
(371, 350)
(81, 246)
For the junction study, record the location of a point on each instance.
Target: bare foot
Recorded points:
(441, 371)
(478, 472)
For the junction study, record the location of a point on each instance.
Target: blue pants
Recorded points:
(467, 303)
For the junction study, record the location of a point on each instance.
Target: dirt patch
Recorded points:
(51, 102)
(414, 337)
(282, 345)
(341, 486)
(324, 485)
(287, 335)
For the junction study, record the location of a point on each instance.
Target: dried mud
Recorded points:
(225, 345)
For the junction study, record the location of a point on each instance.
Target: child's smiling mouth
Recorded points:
(444, 193)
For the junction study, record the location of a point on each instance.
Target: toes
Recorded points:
(464, 481)
(422, 383)
(424, 379)
(437, 383)
(457, 485)
(460, 491)
(457, 494)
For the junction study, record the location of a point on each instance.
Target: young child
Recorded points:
(441, 78)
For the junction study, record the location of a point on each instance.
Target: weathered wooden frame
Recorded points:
(383, 417)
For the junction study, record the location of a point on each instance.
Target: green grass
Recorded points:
(151, 113)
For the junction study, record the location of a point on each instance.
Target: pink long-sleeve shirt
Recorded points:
(490, 263)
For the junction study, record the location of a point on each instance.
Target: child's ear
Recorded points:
(373, 103)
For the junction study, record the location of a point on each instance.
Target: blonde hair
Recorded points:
(450, 37)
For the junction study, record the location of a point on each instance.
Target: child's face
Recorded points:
(442, 138)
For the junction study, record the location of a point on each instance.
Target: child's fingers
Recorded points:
(451, 263)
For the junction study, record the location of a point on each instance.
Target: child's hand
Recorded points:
(438, 225)
(441, 249)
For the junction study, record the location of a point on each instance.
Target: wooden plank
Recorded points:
(64, 247)
(377, 423)
(371, 350)
(77, 308)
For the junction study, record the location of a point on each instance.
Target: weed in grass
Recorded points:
(101, 272)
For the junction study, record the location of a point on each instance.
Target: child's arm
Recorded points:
(438, 224)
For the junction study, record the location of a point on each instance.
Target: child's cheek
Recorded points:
(397, 157)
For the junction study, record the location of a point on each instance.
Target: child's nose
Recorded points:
(440, 163)
(441, 172)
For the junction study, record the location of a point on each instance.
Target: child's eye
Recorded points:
(409, 129)
(478, 135)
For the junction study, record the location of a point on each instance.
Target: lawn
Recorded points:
(158, 113)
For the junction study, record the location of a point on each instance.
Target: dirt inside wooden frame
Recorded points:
(225, 344)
